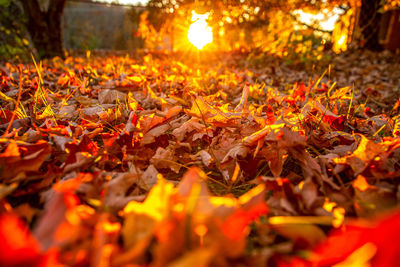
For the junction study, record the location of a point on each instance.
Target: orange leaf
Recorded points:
(361, 183)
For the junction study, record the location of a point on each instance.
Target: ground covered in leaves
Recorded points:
(167, 160)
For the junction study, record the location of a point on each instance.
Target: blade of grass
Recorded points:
(329, 72)
(380, 129)
(41, 93)
(330, 90)
(16, 104)
(351, 103)
(323, 115)
(324, 220)
(319, 79)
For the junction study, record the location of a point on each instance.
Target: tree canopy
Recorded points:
(232, 12)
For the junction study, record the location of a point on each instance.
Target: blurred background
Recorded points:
(296, 30)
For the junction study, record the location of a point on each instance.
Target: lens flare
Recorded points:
(200, 33)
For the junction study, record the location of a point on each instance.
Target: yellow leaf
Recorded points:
(308, 233)
(360, 257)
(141, 218)
(157, 202)
(6, 98)
(135, 79)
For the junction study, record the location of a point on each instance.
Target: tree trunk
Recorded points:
(44, 27)
(369, 24)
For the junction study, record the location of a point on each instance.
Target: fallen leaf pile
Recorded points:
(155, 161)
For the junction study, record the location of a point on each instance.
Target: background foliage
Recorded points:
(13, 38)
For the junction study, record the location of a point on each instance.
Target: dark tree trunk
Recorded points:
(369, 24)
(44, 27)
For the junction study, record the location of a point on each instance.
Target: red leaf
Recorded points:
(234, 227)
(384, 235)
(17, 245)
(337, 123)
(5, 116)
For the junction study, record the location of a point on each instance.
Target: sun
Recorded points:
(200, 33)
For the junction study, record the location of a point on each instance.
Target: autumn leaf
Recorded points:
(371, 238)
(18, 159)
(18, 245)
(204, 159)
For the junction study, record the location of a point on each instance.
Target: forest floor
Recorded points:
(218, 160)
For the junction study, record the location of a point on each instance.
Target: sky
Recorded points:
(130, 2)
